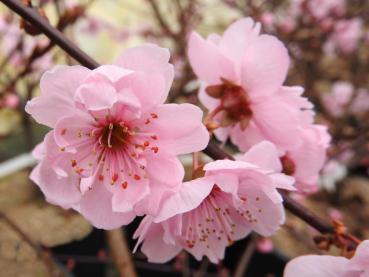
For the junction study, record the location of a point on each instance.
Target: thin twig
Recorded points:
(246, 257)
(54, 271)
(52, 33)
(203, 268)
(120, 253)
(161, 20)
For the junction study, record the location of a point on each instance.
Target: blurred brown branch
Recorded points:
(53, 269)
(120, 253)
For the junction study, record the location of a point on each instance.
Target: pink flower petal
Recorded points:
(238, 37)
(179, 128)
(245, 139)
(264, 155)
(165, 169)
(96, 206)
(228, 166)
(264, 66)
(72, 130)
(360, 260)
(208, 62)
(317, 266)
(267, 215)
(159, 193)
(97, 95)
(57, 94)
(276, 121)
(112, 72)
(149, 59)
(190, 195)
(148, 88)
(63, 81)
(125, 199)
(152, 243)
(62, 191)
(209, 102)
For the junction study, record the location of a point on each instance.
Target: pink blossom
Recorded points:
(335, 101)
(361, 102)
(347, 34)
(242, 73)
(338, 102)
(267, 18)
(11, 36)
(295, 8)
(331, 266)
(327, 24)
(305, 162)
(11, 101)
(264, 245)
(208, 213)
(335, 214)
(113, 149)
(320, 9)
(287, 24)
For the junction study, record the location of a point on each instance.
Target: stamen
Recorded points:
(111, 127)
(124, 185)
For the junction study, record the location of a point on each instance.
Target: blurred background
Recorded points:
(328, 41)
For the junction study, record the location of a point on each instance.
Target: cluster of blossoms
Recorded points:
(243, 90)
(329, 16)
(343, 99)
(322, 12)
(18, 48)
(113, 152)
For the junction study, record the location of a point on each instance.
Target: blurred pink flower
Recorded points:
(361, 102)
(208, 213)
(346, 35)
(305, 162)
(295, 9)
(335, 214)
(287, 24)
(20, 47)
(336, 100)
(242, 73)
(324, 8)
(264, 245)
(267, 18)
(331, 266)
(113, 151)
(11, 101)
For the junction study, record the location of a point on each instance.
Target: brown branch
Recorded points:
(41, 254)
(211, 150)
(120, 253)
(32, 17)
(244, 261)
(161, 20)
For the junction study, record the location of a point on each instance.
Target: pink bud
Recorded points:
(11, 101)
(264, 245)
(267, 18)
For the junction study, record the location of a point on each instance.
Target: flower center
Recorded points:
(234, 103)
(115, 136)
(288, 165)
